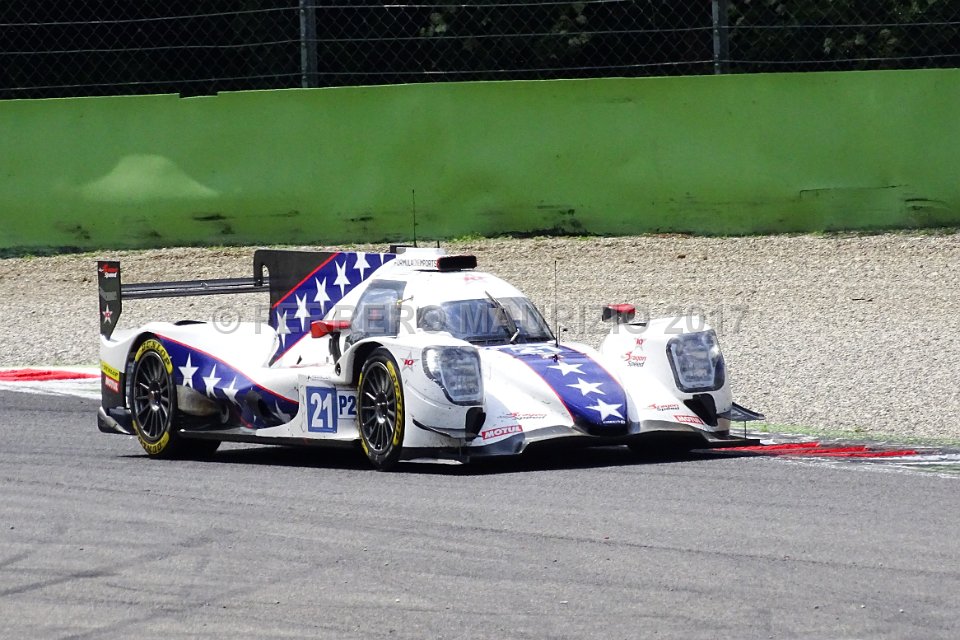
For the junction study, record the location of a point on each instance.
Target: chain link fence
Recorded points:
(108, 47)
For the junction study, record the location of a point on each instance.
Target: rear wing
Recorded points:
(303, 285)
(285, 268)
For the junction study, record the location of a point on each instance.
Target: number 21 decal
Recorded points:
(327, 407)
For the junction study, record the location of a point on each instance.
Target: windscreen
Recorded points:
(482, 321)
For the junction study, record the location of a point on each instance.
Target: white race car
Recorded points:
(412, 354)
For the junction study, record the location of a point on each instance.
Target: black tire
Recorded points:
(153, 406)
(380, 410)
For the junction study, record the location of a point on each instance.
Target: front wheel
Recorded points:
(380, 410)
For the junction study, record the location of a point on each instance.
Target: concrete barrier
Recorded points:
(707, 155)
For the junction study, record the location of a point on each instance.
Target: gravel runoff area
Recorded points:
(834, 332)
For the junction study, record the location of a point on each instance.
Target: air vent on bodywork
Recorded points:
(474, 421)
(703, 405)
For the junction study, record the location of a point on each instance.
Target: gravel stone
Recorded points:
(846, 332)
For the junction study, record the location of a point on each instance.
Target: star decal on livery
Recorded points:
(361, 265)
(606, 410)
(577, 379)
(211, 382)
(565, 368)
(302, 314)
(214, 374)
(107, 316)
(585, 387)
(342, 280)
(282, 329)
(187, 372)
(321, 298)
(316, 294)
(231, 391)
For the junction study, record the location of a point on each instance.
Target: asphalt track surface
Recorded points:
(96, 541)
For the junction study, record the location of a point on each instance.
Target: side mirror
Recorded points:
(320, 328)
(619, 313)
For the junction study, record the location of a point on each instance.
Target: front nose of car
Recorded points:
(563, 381)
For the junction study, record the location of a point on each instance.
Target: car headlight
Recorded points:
(696, 362)
(457, 371)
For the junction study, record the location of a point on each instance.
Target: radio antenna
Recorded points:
(556, 304)
(413, 196)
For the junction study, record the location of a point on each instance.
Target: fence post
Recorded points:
(308, 44)
(721, 29)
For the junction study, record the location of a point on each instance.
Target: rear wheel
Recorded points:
(380, 410)
(153, 404)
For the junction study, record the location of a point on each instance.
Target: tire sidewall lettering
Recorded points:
(395, 378)
(155, 345)
(363, 441)
(153, 448)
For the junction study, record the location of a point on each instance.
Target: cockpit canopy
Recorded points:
(474, 313)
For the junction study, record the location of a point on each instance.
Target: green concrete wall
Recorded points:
(709, 155)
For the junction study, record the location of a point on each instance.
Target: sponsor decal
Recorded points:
(111, 384)
(685, 419)
(425, 263)
(501, 431)
(523, 417)
(109, 271)
(109, 371)
(111, 377)
(633, 360)
(471, 277)
(664, 407)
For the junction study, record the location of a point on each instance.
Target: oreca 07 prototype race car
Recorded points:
(409, 354)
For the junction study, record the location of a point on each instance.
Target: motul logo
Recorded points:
(502, 431)
(688, 419)
(111, 384)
